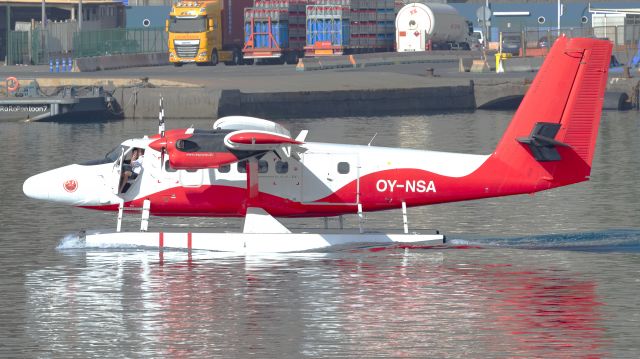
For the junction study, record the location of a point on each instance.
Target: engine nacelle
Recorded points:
(195, 149)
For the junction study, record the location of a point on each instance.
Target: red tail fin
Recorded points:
(553, 134)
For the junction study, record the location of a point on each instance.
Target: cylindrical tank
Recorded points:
(417, 23)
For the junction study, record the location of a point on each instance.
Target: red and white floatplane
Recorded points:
(253, 168)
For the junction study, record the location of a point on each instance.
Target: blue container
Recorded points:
(262, 29)
(277, 34)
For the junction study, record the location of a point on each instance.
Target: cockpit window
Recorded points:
(114, 154)
(110, 157)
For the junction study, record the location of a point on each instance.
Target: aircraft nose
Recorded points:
(36, 188)
(76, 185)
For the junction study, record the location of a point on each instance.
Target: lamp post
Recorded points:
(44, 15)
(484, 25)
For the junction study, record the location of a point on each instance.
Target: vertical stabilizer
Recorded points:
(553, 134)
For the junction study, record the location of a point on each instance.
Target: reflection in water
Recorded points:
(397, 302)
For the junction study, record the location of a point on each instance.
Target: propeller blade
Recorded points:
(161, 117)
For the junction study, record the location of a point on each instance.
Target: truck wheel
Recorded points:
(236, 59)
(214, 58)
(292, 58)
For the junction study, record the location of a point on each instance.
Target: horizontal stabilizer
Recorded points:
(542, 142)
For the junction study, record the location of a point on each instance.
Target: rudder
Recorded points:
(554, 130)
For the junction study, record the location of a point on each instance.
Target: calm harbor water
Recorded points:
(550, 275)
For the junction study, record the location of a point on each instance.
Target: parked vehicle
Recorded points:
(206, 32)
(511, 44)
(544, 42)
(421, 27)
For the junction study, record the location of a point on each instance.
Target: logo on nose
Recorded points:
(70, 185)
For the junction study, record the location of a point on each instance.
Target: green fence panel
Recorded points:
(119, 41)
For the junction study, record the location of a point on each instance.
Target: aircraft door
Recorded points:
(116, 172)
(330, 174)
(280, 177)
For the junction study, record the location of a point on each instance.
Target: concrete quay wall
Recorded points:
(203, 103)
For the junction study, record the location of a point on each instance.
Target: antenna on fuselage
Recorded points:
(372, 138)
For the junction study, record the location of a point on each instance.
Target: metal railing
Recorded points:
(535, 41)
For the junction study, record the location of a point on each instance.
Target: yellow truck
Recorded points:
(206, 32)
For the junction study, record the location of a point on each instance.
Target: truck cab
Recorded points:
(196, 34)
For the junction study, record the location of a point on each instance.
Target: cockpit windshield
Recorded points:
(115, 153)
(110, 157)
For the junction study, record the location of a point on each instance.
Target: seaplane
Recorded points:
(254, 168)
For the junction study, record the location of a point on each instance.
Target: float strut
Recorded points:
(361, 217)
(120, 212)
(404, 218)
(144, 222)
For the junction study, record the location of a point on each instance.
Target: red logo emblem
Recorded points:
(70, 185)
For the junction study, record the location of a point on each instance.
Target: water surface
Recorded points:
(550, 275)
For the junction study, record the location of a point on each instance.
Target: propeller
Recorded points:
(163, 142)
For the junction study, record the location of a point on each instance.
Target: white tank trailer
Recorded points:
(440, 26)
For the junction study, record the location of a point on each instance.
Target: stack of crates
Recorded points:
(357, 25)
(287, 21)
(373, 24)
(328, 24)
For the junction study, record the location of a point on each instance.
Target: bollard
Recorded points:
(57, 64)
(430, 72)
(50, 65)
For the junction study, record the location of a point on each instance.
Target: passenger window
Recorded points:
(343, 167)
(263, 166)
(242, 167)
(282, 167)
(168, 168)
(224, 169)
